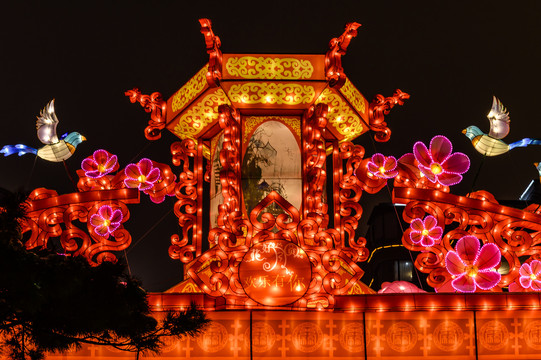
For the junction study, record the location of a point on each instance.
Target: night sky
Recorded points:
(451, 57)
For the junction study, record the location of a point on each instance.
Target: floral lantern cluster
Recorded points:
(485, 236)
(101, 202)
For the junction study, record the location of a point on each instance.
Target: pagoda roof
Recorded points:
(267, 84)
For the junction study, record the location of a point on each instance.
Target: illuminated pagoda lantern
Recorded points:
(268, 185)
(264, 129)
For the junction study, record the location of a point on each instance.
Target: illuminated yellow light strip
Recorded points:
(272, 93)
(382, 247)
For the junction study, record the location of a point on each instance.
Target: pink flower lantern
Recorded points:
(99, 164)
(438, 163)
(106, 221)
(530, 275)
(400, 286)
(473, 265)
(142, 175)
(427, 232)
(382, 166)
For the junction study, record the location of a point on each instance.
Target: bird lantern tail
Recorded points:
(524, 142)
(20, 149)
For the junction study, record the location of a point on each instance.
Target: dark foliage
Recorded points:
(52, 302)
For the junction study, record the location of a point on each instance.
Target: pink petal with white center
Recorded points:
(428, 173)
(457, 163)
(102, 230)
(464, 284)
(145, 186)
(440, 148)
(116, 218)
(110, 164)
(454, 264)
(89, 165)
(105, 212)
(421, 154)
(145, 166)
(100, 156)
(525, 270)
(435, 233)
(449, 179)
(536, 285)
(427, 241)
(487, 279)
(489, 257)
(96, 220)
(390, 174)
(131, 183)
(378, 159)
(535, 266)
(373, 168)
(93, 174)
(430, 222)
(390, 163)
(132, 171)
(467, 248)
(417, 225)
(416, 237)
(113, 227)
(153, 176)
(525, 282)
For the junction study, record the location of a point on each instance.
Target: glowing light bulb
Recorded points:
(436, 168)
(472, 271)
(142, 178)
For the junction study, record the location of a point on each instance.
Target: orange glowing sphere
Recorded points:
(275, 272)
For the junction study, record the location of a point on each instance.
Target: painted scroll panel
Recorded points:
(272, 162)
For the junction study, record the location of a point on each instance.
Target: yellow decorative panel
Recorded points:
(190, 90)
(251, 122)
(200, 115)
(251, 67)
(341, 116)
(272, 93)
(191, 288)
(354, 97)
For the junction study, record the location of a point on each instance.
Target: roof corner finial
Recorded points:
(333, 59)
(213, 43)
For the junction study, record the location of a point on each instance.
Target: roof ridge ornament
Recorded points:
(213, 43)
(333, 58)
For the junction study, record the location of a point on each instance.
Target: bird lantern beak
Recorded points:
(464, 131)
(83, 138)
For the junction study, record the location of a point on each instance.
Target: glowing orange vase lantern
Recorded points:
(275, 272)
